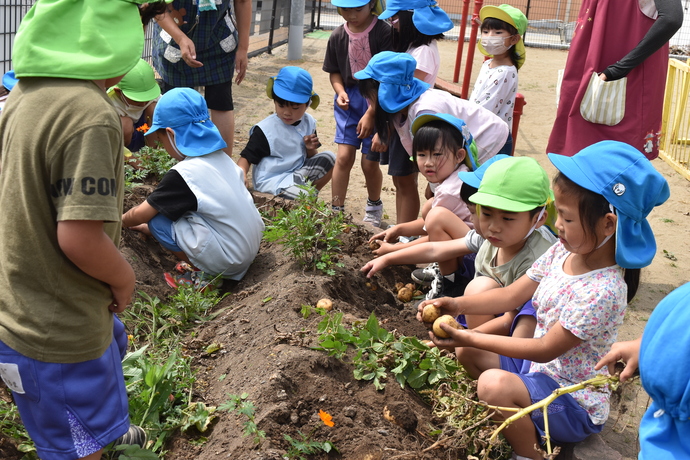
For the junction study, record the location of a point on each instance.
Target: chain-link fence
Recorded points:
(551, 23)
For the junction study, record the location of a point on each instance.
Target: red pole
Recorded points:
(470, 53)
(517, 113)
(461, 39)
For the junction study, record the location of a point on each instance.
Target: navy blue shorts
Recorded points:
(396, 157)
(218, 97)
(162, 230)
(70, 410)
(346, 123)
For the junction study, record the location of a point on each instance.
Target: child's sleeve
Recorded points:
(543, 264)
(173, 197)
(257, 146)
(330, 60)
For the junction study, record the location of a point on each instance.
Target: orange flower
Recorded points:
(143, 128)
(326, 418)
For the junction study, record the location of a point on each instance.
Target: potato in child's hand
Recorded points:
(430, 313)
(447, 319)
(374, 245)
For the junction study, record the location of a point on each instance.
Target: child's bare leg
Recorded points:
(476, 361)
(442, 225)
(406, 198)
(477, 285)
(182, 256)
(344, 160)
(373, 178)
(321, 183)
(501, 388)
(426, 207)
(142, 228)
(525, 327)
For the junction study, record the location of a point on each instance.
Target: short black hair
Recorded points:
(408, 36)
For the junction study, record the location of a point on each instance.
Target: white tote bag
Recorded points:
(604, 101)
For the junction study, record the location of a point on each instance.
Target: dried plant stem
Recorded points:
(598, 381)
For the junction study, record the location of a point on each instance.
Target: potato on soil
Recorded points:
(326, 304)
(404, 295)
(449, 320)
(410, 286)
(399, 286)
(430, 313)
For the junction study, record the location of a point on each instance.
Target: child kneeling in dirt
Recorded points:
(201, 210)
(283, 146)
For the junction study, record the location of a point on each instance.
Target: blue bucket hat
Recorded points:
(665, 427)
(9, 80)
(293, 85)
(184, 110)
(460, 125)
(474, 178)
(629, 182)
(395, 72)
(427, 16)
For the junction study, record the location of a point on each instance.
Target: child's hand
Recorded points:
(122, 296)
(311, 141)
(365, 126)
(377, 145)
(343, 101)
(384, 248)
(388, 235)
(374, 266)
(457, 338)
(448, 306)
(628, 352)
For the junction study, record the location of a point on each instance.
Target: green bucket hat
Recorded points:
(80, 39)
(512, 16)
(140, 83)
(514, 184)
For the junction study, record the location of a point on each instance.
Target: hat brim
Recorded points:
(289, 96)
(378, 8)
(143, 96)
(499, 202)
(9, 80)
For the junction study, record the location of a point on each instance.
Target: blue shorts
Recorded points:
(70, 410)
(396, 157)
(568, 421)
(346, 123)
(162, 230)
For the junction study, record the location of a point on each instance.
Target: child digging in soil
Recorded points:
(580, 289)
(62, 277)
(201, 210)
(283, 146)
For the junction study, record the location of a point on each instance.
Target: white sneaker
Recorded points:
(373, 215)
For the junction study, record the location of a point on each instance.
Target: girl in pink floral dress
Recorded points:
(580, 289)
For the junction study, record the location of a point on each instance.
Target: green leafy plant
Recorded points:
(309, 231)
(242, 406)
(379, 352)
(12, 427)
(151, 162)
(304, 445)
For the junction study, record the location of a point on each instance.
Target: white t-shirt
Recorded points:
(490, 132)
(495, 89)
(428, 60)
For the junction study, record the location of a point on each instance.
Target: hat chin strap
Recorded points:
(534, 227)
(611, 235)
(172, 142)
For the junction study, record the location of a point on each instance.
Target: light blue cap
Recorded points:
(427, 16)
(627, 179)
(474, 178)
(395, 72)
(185, 111)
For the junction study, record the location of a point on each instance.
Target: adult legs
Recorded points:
(225, 122)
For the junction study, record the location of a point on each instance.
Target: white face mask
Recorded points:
(495, 45)
(123, 108)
